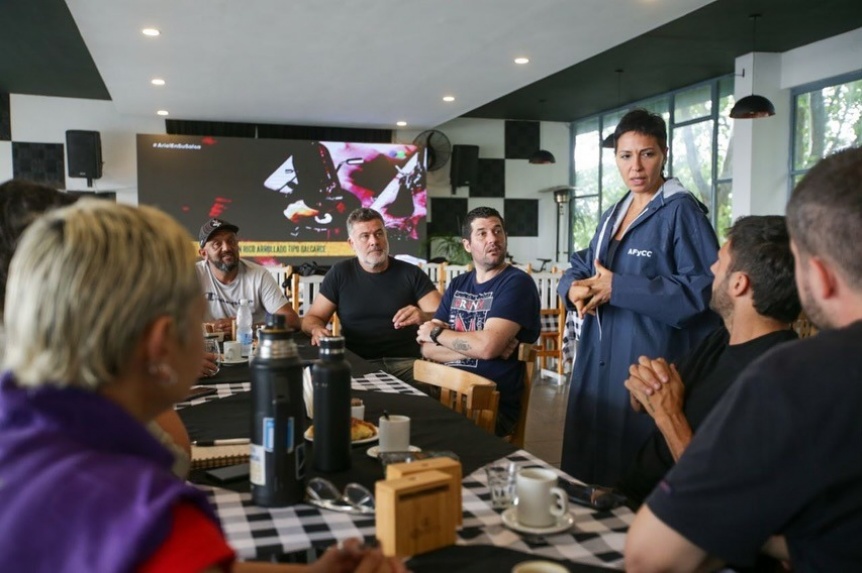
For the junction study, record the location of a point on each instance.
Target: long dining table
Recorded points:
(596, 538)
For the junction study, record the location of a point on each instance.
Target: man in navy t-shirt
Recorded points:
(485, 314)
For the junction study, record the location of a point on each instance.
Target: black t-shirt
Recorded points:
(367, 302)
(707, 372)
(780, 454)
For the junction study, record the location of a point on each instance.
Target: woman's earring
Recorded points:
(163, 373)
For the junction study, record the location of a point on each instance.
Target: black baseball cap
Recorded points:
(212, 226)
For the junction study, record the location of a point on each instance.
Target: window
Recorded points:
(827, 117)
(699, 142)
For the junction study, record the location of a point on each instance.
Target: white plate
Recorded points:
(308, 436)
(510, 520)
(374, 451)
(234, 362)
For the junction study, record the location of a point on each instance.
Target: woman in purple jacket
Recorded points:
(643, 288)
(103, 324)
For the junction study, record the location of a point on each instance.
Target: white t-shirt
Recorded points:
(252, 282)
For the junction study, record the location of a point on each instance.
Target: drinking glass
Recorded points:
(501, 482)
(211, 347)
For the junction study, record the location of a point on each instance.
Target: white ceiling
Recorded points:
(362, 63)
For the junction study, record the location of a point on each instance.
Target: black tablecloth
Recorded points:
(432, 427)
(307, 353)
(482, 559)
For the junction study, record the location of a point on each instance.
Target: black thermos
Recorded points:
(277, 464)
(330, 377)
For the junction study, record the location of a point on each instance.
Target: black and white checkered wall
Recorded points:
(522, 215)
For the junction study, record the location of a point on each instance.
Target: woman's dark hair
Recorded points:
(20, 203)
(641, 121)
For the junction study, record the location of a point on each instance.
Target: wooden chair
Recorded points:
(553, 316)
(527, 355)
(435, 273)
(470, 394)
(281, 275)
(302, 293)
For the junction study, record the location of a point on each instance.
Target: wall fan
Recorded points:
(437, 148)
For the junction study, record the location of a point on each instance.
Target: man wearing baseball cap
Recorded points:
(226, 279)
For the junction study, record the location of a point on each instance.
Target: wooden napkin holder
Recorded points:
(415, 513)
(446, 465)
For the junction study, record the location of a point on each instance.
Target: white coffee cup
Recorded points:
(540, 502)
(358, 412)
(394, 433)
(232, 351)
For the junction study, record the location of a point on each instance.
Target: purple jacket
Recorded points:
(83, 486)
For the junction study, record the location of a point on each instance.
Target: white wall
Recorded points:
(523, 180)
(38, 119)
(761, 155)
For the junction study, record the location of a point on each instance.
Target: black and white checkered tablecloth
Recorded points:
(375, 381)
(597, 537)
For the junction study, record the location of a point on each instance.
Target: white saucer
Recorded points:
(234, 362)
(374, 451)
(310, 437)
(510, 520)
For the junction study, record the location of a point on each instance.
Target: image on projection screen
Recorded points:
(289, 198)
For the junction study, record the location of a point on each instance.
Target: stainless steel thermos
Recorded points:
(277, 464)
(330, 378)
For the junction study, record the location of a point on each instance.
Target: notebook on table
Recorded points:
(206, 457)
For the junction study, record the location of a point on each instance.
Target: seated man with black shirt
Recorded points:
(380, 300)
(755, 294)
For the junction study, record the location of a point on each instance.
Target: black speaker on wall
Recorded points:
(465, 165)
(84, 150)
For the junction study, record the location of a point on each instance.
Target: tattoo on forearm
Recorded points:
(460, 345)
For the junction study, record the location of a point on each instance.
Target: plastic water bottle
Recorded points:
(243, 327)
(330, 377)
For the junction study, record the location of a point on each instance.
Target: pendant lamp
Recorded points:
(542, 156)
(753, 106)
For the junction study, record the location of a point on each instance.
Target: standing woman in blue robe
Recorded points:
(643, 288)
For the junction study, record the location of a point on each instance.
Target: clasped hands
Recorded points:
(588, 294)
(655, 387)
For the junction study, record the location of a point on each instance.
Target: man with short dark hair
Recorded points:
(485, 314)
(777, 465)
(754, 294)
(226, 279)
(380, 300)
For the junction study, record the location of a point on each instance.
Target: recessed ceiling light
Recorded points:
(150, 32)
(157, 82)
(448, 98)
(162, 112)
(401, 123)
(522, 61)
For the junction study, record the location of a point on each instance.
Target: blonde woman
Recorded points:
(103, 335)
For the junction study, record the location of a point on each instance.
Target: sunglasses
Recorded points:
(355, 498)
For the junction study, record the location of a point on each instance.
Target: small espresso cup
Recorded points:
(232, 351)
(540, 502)
(357, 410)
(394, 433)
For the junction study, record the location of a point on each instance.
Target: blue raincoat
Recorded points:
(659, 306)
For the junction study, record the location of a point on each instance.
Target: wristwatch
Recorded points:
(435, 332)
